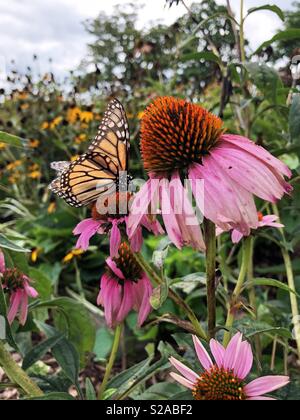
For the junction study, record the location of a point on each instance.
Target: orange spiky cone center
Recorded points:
(176, 133)
(127, 263)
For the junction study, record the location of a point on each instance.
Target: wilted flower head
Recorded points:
(114, 224)
(224, 378)
(183, 140)
(17, 285)
(263, 221)
(124, 287)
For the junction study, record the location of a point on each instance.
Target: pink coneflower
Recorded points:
(224, 379)
(183, 140)
(124, 287)
(114, 226)
(263, 221)
(19, 289)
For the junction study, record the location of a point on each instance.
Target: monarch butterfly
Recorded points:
(96, 172)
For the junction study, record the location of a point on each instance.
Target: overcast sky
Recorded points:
(54, 28)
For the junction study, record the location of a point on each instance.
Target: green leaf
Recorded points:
(267, 81)
(205, 55)
(53, 396)
(7, 244)
(287, 35)
(103, 343)
(90, 390)
(270, 283)
(294, 119)
(73, 318)
(160, 392)
(271, 7)
(42, 283)
(12, 140)
(39, 351)
(159, 296)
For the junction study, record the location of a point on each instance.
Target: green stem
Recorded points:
(291, 283)
(113, 355)
(16, 374)
(242, 38)
(211, 249)
(173, 295)
(247, 247)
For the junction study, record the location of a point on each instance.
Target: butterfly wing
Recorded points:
(96, 172)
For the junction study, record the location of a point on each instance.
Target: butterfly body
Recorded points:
(96, 172)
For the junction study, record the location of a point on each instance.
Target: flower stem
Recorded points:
(16, 374)
(242, 38)
(173, 295)
(291, 283)
(211, 249)
(113, 355)
(247, 250)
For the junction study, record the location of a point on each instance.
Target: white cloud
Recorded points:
(54, 28)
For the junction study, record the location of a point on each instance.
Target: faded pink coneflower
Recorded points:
(263, 221)
(124, 287)
(18, 286)
(224, 378)
(183, 140)
(113, 226)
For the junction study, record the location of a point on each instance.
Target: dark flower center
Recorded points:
(176, 133)
(219, 384)
(13, 279)
(128, 264)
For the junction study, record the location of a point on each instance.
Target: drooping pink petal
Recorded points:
(183, 381)
(30, 291)
(270, 220)
(218, 352)
(115, 239)
(142, 291)
(249, 172)
(141, 203)
(15, 302)
(184, 370)
(152, 225)
(261, 399)
(236, 236)
(265, 385)
(168, 215)
(86, 229)
(2, 262)
(127, 301)
(24, 308)
(113, 266)
(203, 356)
(185, 215)
(258, 151)
(136, 241)
(110, 298)
(226, 203)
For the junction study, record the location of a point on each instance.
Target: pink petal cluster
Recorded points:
(263, 221)
(237, 358)
(87, 228)
(175, 207)
(18, 298)
(119, 295)
(233, 172)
